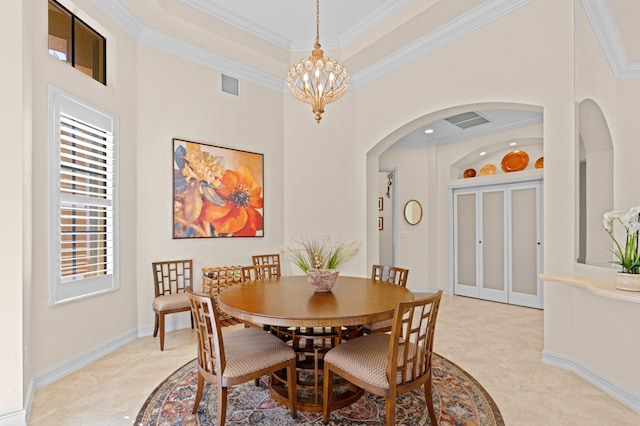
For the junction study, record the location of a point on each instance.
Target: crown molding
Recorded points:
(362, 27)
(250, 27)
(466, 23)
(604, 26)
(370, 21)
(121, 16)
(254, 28)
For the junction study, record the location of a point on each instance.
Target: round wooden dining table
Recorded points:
(291, 301)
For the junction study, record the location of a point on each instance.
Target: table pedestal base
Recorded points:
(312, 401)
(311, 344)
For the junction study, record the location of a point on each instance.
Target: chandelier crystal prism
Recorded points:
(317, 80)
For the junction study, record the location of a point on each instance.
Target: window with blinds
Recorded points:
(84, 192)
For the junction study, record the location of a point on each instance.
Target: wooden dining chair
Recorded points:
(258, 272)
(390, 274)
(236, 357)
(268, 260)
(389, 364)
(170, 278)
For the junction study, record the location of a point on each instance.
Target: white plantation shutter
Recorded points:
(83, 176)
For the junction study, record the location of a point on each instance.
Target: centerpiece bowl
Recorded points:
(322, 280)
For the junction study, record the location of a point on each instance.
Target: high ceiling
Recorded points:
(290, 25)
(292, 22)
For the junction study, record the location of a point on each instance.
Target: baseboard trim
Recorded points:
(428, 290)
(19, 418)
(613, 389)
(73, 364)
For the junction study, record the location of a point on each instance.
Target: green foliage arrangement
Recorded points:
(322, 254)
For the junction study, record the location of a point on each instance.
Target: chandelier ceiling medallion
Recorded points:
(317, 80)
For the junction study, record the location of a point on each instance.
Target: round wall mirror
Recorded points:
(413, 212)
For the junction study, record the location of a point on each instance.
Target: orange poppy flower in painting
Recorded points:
(239, 215)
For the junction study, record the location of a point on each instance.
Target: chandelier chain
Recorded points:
(317, 45)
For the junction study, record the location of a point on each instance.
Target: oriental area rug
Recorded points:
(458, 399)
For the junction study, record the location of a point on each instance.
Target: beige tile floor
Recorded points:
(500, 345)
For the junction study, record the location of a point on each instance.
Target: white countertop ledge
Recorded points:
(601, 287)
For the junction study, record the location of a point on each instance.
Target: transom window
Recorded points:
(73, 41)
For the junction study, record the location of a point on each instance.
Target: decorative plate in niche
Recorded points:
(515, 161)
(488, 169)
(540, 163)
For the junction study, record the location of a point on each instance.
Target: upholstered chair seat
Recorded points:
(251, 349)
(171, 302)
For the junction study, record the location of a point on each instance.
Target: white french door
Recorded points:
(497, 246)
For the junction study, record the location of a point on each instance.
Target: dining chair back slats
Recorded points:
(272, 261)
(390, 274)
(172, 276)
(170, 279)
(237, 357)
(406, 366)
(258, 272)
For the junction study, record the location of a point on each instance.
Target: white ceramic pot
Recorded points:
(627, 282)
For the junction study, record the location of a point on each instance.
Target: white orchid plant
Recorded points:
(628, 255)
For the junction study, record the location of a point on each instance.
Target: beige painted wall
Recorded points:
(60, 333)
(13, 174)
(321, 180)
(523, 63)
(179, 99)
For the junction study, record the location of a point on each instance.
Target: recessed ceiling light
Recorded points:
(428, 131)
(513, 143)
(483, 153)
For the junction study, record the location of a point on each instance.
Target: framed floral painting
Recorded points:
(217, 192)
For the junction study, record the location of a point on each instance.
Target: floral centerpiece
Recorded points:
(627, 254)
(320, 259)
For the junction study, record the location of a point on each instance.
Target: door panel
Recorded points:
(465, 265)
(492, 246)
(525, 286)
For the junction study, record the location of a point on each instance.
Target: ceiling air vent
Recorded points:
(229, 85)
(467, 119)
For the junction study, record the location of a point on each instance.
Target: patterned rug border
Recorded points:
(495, 411)
(494, 407)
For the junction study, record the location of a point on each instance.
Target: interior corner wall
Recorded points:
(324, 179)
(512, 59)
(15, 145)
(180, 99)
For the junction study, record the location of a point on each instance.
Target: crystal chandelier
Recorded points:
(317, 80)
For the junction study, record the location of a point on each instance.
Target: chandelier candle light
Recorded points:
(317, 80)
